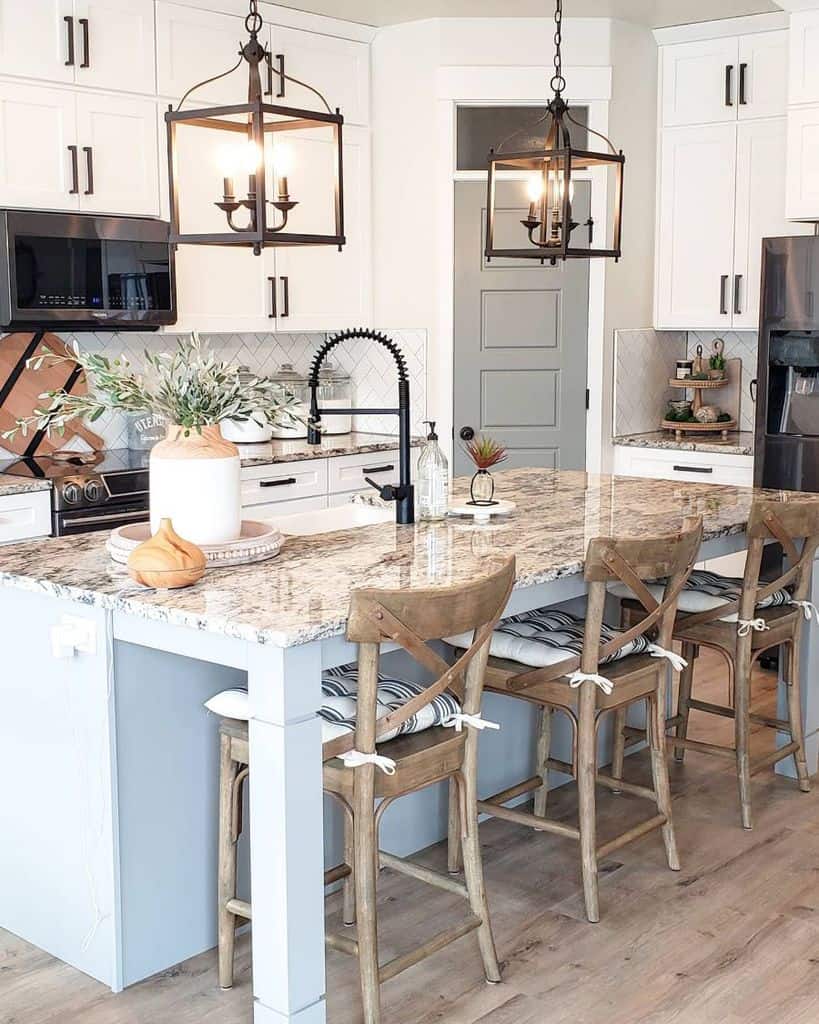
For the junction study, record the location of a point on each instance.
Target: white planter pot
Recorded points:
(245, 431)
(195, 481)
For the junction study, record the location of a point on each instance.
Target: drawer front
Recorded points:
(347, 472)
(692, 470)
(25, 515)
(286, 481)
(284, 508)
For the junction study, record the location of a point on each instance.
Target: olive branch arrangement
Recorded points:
(188, 386)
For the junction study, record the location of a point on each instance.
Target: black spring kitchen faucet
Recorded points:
(404, 494)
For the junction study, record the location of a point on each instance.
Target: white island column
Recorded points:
(286, 834)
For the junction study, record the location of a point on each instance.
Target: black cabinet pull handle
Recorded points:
(752, 389)
(723, 284)
(378, 469)
(75, 171)
(89, 168)
(729, 72)
(742, 71)
(86, 51)
(277, 483)
(69, 32)
(693, 469)
(285, 295)
(268, 59)
(273, 313)
(737, 283)
(280, 72)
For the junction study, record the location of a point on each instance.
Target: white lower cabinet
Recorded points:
(263, 485)
(26, 515)
(268, 510)
(694, 467)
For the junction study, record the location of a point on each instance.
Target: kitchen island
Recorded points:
(109, 760)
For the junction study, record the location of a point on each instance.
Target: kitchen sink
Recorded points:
(326, 520)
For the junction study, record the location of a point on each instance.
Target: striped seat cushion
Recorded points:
(704, 591)
(546, 636)
(339, 688)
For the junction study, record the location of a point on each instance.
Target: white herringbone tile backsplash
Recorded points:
(371, 368)
(643, 361)
(738, 345)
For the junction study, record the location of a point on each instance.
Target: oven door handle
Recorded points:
(113, 517)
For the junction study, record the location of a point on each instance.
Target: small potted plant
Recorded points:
(484, 453)
(194, 472)
(716, 363)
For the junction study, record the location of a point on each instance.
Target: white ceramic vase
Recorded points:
(195, 481)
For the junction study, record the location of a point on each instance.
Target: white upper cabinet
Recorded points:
(193, 45)
(115, 45)
(699, 81)
(338, 68)
(36, 39)
(803, 84)
(119, 165)
(320, 287)
(760, 212)
(762, 75)
(695, 241)
(724, 79)
(802, 190)
(104, 43)
(39, 160)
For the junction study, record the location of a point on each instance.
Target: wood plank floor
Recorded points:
(731, 939)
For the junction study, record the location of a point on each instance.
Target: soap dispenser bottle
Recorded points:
(433, 478)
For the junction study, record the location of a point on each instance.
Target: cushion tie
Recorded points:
(356, 758)
(578, 678)
(808, 607)
(678, 662)
(746, 625)
(459, 720)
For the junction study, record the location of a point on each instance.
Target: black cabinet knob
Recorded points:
(467, 433)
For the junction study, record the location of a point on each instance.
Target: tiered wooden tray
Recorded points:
(693, 427)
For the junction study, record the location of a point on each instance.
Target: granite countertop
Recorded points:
(10, 484)
(739, 442)
(356, 443)
(303, 594)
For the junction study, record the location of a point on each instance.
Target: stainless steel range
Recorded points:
(100, 495)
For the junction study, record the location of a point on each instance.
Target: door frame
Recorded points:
(512, 86)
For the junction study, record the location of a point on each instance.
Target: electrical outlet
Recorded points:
(73, 635)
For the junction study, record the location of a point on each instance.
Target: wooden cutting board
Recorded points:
(27, 386)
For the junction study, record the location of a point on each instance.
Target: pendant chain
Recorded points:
(558, 82)
(253, 21)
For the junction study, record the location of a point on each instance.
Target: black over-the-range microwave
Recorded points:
(85, 272)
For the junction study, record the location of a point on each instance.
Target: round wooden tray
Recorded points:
(699, 428)
(687, 382)
(257, 542)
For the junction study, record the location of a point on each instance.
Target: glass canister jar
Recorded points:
(335, 392)
(296, 385)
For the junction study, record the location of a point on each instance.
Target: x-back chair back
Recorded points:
(410, 618)
(633, 561)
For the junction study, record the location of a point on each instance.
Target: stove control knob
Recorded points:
(72, 493)
(93, 491)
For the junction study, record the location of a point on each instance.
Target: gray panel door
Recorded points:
(521, 333)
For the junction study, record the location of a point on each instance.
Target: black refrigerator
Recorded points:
(787, 406)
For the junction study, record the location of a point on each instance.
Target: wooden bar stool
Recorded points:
(385, 738)
(555, 661)
(741, 619)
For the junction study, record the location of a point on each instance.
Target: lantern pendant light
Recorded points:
(254, 150)
(549, 232)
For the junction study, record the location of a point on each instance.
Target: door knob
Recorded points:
(467, 433)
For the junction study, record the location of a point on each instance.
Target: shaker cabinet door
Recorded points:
(39, 163)
(695, 241)
(762, 75)
(700, 82)
(115, 45)
(338, 68)
(38, 39)
(192, 45)
(320, 287)
(760, 212)
(119, 159)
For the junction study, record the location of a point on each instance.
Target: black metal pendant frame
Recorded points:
(553, 222)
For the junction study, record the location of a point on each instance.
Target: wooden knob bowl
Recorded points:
(166, 561)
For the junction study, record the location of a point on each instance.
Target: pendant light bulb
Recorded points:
(534, 187)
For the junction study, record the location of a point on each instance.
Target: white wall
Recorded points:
(407, 163)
